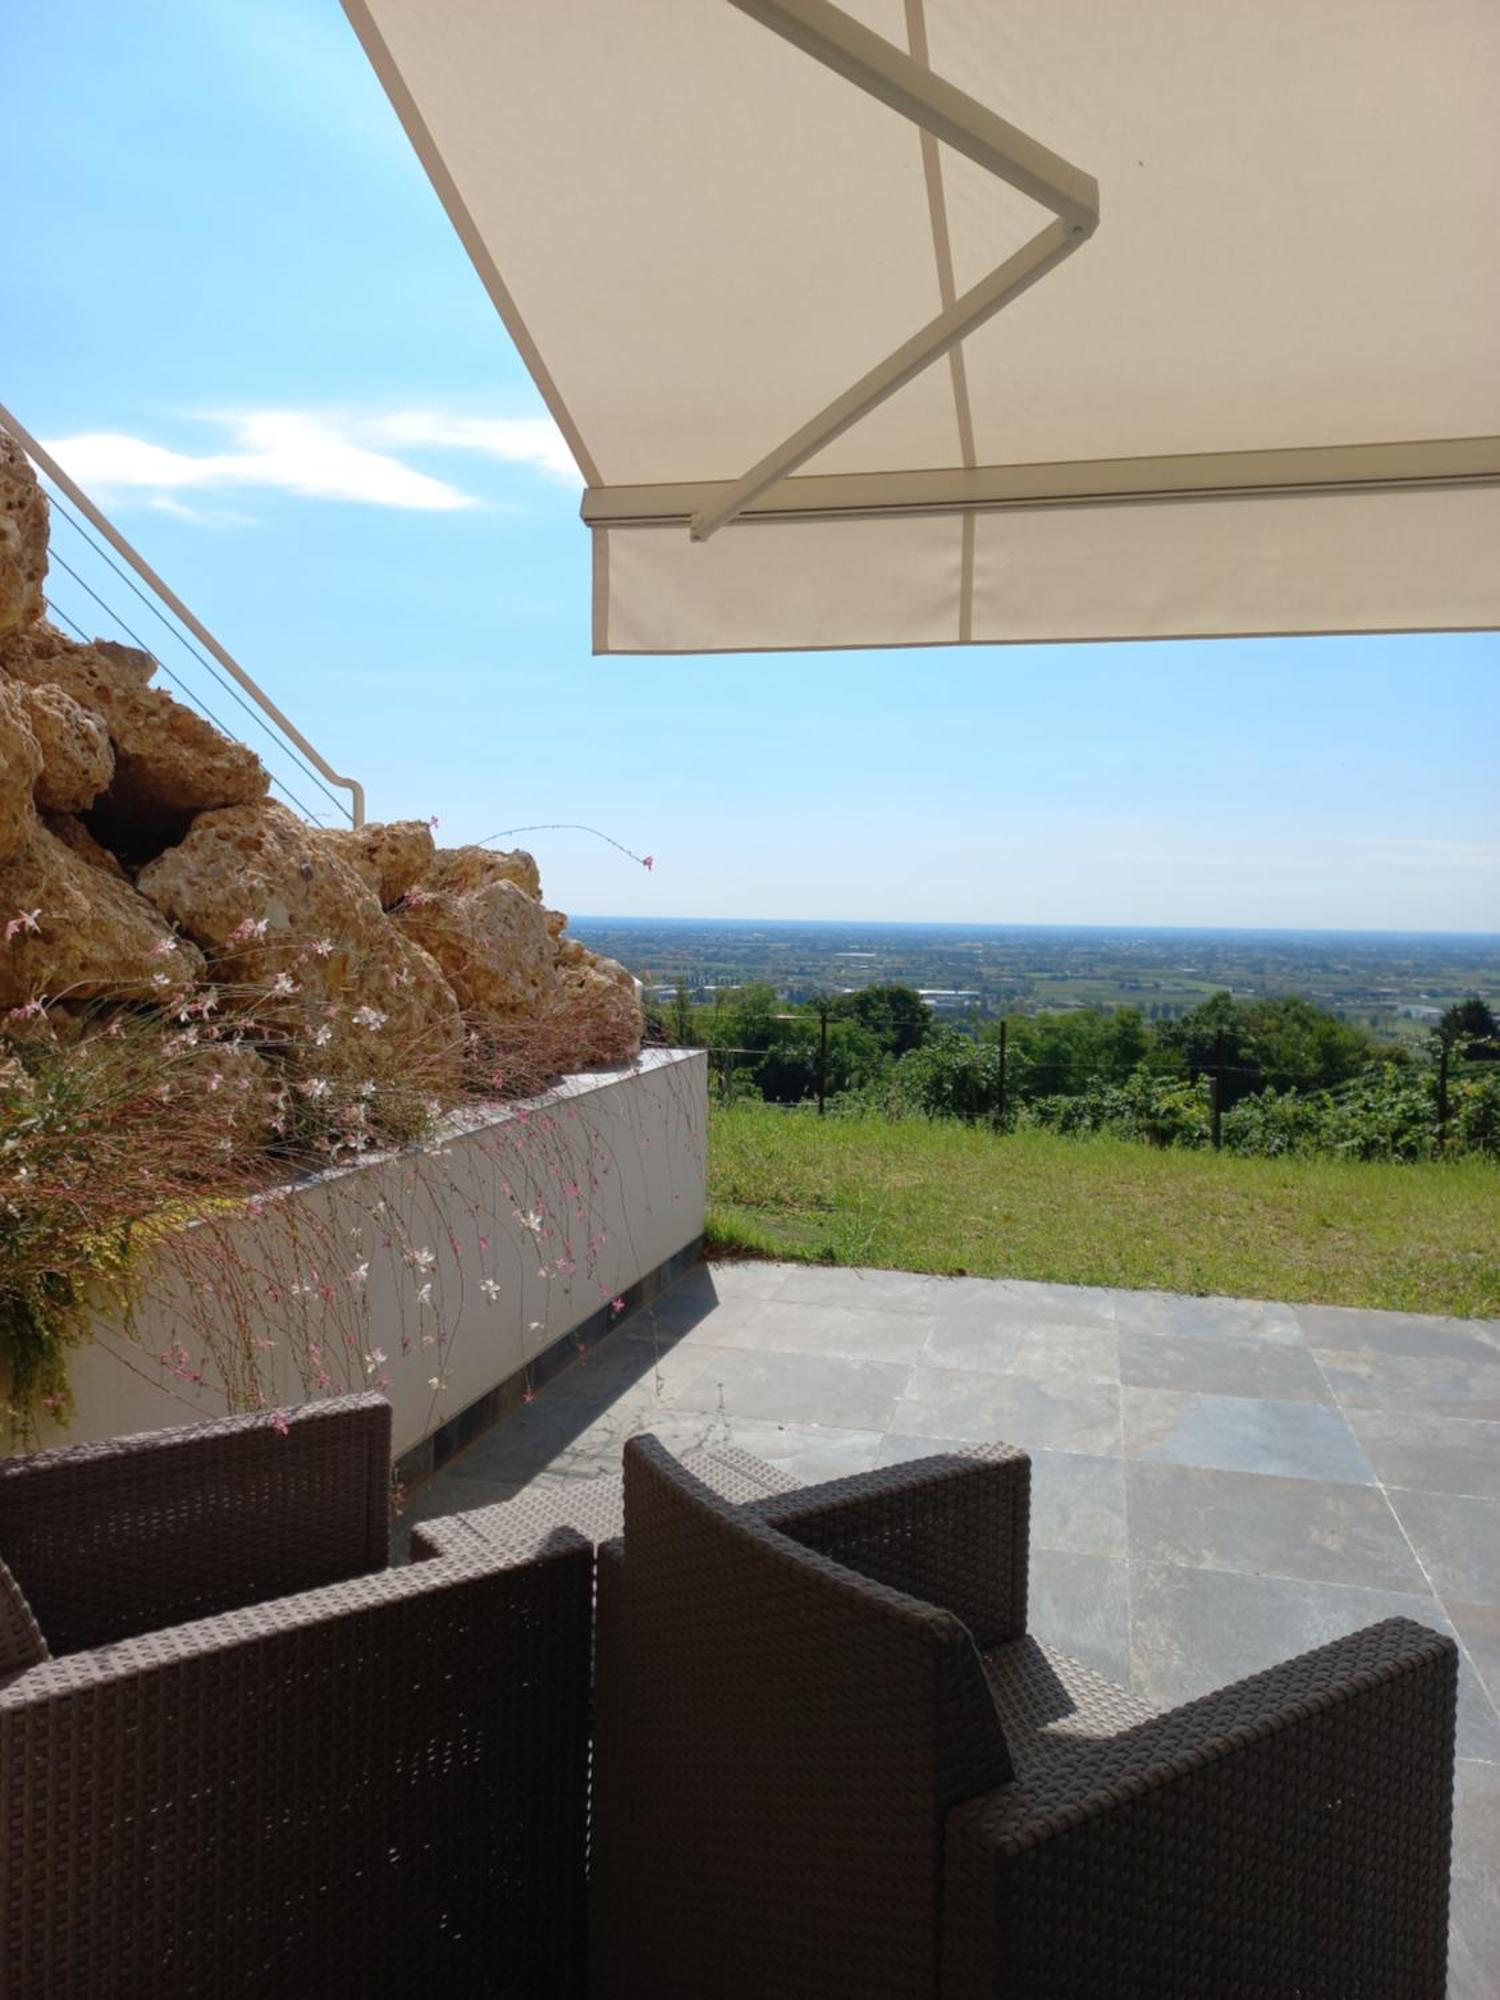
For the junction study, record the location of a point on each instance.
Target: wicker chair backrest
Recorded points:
(112, 1540)
(797, 1734)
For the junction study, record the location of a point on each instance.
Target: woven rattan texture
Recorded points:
(759, 1726)
(785, 1737)
(375, 1787)
(1288, 1835)
(1048, 1703)
(21, 1641)
(960, 1546)
(108, 1540)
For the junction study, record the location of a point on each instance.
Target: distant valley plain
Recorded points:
(1395, 983)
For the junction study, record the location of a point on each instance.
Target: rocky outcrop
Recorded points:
(169, 761)
(20, 767)
(80, 933)
(277, 910)
(393, 858)
(492, 943)
(23, 540)
(600, 1006)
(140, 857)
(455, 869)
(77, 758)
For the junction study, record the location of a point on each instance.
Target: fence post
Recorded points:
(822, 1055)
(1000, 1083)
(1442, 1096)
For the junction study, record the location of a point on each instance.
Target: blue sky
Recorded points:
(234, 304)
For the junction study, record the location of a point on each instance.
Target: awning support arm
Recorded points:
(888, 73)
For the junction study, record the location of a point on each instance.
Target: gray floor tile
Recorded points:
(1347, 1329)
(1080, 1604)
(620, 1367)
(1262, 1525)
(1231, 1319)
(1192, 1630)
(809, 1452)
(1430, 1454)
(973, 1339)
(1458, 1541)
(1077, 1503)
(1242, 1434)
(1478, 1626)
(790, 1327)
(1431, 1385)
(747, 1277)
(798, 1389)
(1015, 1302)
(842, 1285)
(698, 1315)
(1476, 1878)
(1221, 1365)
(1009, 1409)
(1068, 1354)
(1467, 1979)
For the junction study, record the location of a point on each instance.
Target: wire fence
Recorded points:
(1002, 1080)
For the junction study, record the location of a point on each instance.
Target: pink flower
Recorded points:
(648, 862)
(24, 920)
(617, 1305)
(279, 1424)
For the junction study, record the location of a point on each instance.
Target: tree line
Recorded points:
(1261, 1075)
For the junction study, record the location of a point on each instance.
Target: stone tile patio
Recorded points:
(1218, 1483)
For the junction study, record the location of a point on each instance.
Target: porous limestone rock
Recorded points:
(77, 761)
(23, 539)
(492, 942)
(392, 857)
(94, 937)
(601, 1005)
(168, 759)
(20, 767)
(272, 904)
(456, 869)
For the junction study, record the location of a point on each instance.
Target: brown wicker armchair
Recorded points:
(830, 1761)
(257, 1760)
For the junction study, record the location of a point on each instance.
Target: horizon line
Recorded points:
(978, 924)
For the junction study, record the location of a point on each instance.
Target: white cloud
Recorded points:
(201, 517)
(285, 450)
(534, 441)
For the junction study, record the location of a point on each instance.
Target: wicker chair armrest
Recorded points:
(133, 1533)
(950, 1530)
(1290, 1833)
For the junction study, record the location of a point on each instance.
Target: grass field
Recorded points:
(918, 1196)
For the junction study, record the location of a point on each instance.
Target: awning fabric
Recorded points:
(1262, 396)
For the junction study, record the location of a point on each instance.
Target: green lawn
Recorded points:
(916, 1196)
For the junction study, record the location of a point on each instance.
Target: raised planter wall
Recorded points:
(524, 1223)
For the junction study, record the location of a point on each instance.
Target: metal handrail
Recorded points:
(169, 597)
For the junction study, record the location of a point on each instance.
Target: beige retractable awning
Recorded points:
(917, 322)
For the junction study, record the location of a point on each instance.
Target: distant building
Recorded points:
(947, 999)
